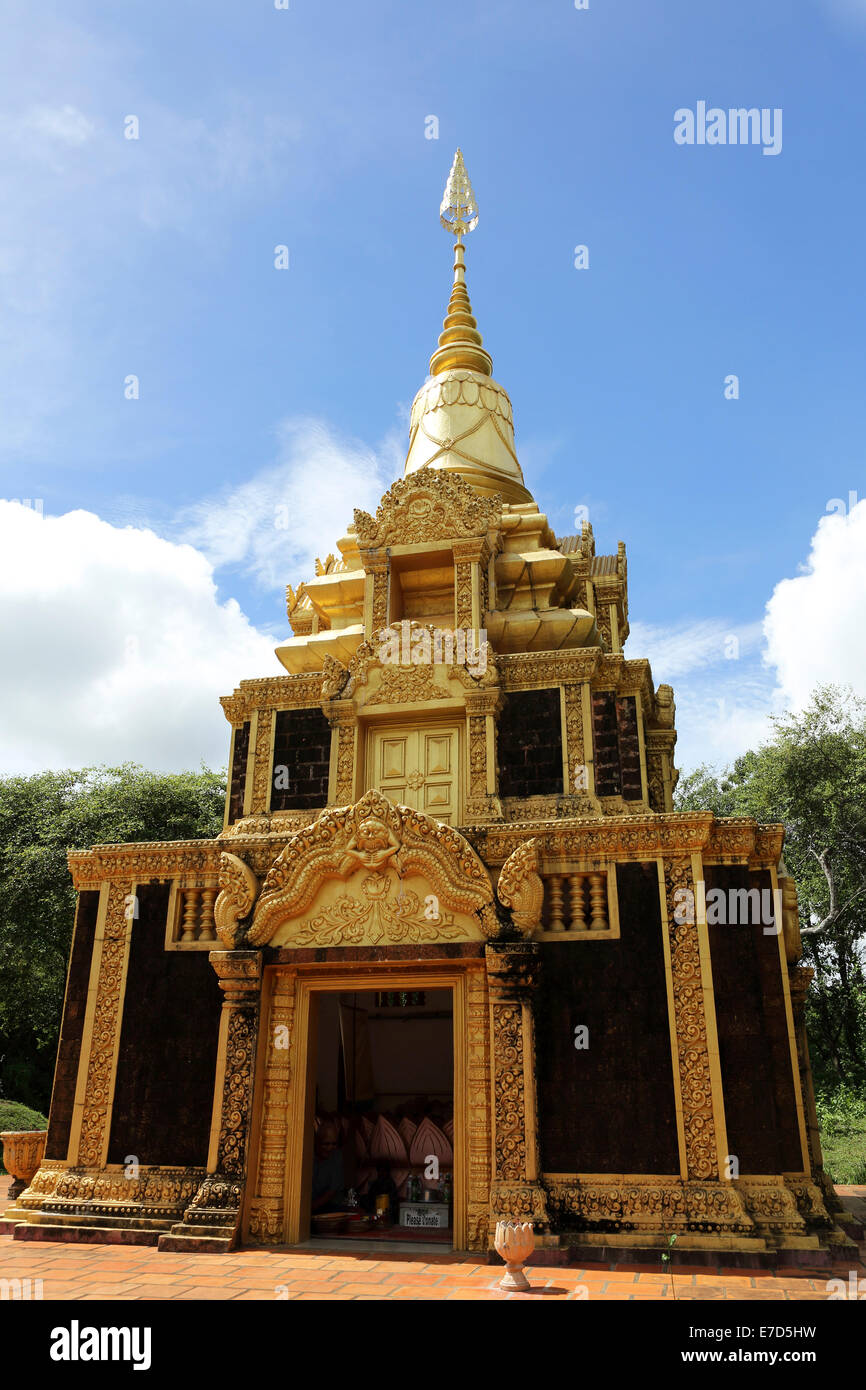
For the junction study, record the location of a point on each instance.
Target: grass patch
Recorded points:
(842, 1117)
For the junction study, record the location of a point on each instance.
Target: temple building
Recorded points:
(454, 957)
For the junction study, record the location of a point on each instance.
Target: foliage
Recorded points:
(811, 776)
(42, 817)
(15, 1117)
(842, 1117)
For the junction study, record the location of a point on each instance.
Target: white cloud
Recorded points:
(815, 626)
(274, 525)
(64, 123)
(115, 646)
(691, 646)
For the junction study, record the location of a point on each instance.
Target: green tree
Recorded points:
(811, 776)
(41, 818)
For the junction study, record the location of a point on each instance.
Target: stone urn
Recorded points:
(23, 1151)
(514, 1242)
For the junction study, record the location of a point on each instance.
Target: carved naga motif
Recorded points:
(521, 888)
(238, 890)
(375, 836)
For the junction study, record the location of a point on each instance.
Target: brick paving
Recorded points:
(85, 1272)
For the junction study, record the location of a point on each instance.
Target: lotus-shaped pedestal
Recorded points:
(514, 1243)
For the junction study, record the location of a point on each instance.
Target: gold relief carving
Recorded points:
(334, 677)
(769, 840)
(463, 594)
(342, 717)
(237, 1090)
(810, 1202)
(533, 670)
(771, 1205)
(603, 623)
(261, 795)
(521, 888)
(655, 1204)
(621, 837)
(266, 1224)
(238, 889)
(106, 1023)
(509, 1124)
(479, 1118)
(376, 565)
(378, 917)
(156, 1193)
(429, 505)
(691, 1023)
(403, 684)
(655, 777)
(519, 1201)
(139, 863)
(267, 1216)
(341, 841)
(477, 757)
(301, 691)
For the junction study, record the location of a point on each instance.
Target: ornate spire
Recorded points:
(460, 343)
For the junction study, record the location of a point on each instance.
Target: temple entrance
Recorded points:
(379, 1148)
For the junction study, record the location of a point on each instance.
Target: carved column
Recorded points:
(377, 599)
(469, 559)
(659, 744)
(482, 800)
(216, 1208)
(512, 971)
(260, 799)
(267, 1212)
(99, 1084)
(342, 716)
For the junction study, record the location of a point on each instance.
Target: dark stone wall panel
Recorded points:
(69, 1048)
(238, 775)
(163, 1096)
(611, 1108)
(756, 1064)
(302, 748)
(529, 744)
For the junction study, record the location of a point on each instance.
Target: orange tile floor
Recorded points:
(142, 1272)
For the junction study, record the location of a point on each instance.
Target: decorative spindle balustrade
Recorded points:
(190, 915)
(580, 903)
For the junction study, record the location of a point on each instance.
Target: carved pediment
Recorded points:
(430, 505)
(370, 873)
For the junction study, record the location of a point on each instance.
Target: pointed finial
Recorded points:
(460, 343)
(458, 211)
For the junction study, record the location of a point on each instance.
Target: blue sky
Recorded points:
(306, 127)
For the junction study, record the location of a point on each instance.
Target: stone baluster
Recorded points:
(208, 897)
(598, 901)
(555, 893)
(578, 904)
(190, 914)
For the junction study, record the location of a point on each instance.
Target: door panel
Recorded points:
(418, 767)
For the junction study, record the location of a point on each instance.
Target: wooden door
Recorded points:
(418, 768)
